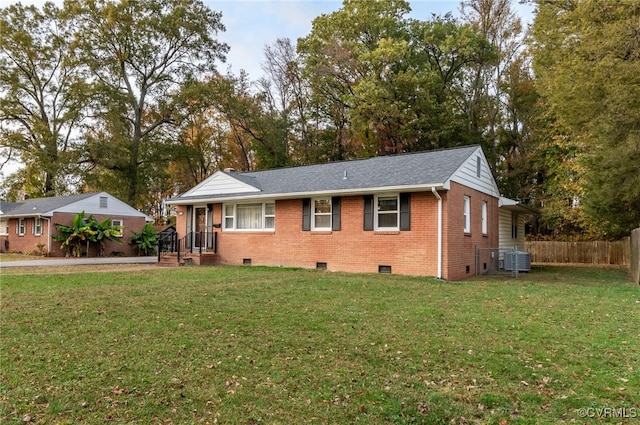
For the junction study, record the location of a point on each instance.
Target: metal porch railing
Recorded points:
(192, 242)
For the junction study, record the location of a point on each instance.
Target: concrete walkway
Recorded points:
(48, 262)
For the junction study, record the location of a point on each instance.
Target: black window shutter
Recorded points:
(306, 214)
(405, 211)
(368, 212)
(335, 213)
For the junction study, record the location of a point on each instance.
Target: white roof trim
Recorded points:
(296, 195)
(513, 205)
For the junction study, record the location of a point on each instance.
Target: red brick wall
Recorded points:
(351, 249)
(28, 242)
(459, 248)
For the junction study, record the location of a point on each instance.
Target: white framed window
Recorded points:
(270, 216)
(484, 218)
(248, 216)
(321, 217)
(4, 226)
(467, 214)
(514, 225)
(37, 226)
(21, 227)
(229, 216)
(259, 216)
(387, 215)
(119, 223)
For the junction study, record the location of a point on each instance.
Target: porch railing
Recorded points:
(198, 242)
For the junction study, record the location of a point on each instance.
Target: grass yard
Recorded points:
(252, 345)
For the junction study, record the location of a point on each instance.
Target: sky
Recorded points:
(253, 24)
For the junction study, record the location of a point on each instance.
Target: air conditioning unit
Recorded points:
(519, 259)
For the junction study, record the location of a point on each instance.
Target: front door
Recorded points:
(200, 227)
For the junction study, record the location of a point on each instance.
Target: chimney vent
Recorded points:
(229, 170)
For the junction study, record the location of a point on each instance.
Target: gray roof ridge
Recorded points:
(350, 161)
(46, 204)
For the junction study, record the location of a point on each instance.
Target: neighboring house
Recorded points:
(27, 224)
(415, 214)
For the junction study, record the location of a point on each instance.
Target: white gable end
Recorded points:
(220, 184)
(476, 174)
(102, 203)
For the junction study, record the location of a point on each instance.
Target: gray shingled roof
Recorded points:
(42, 206)
(414, 169)
(7, 206)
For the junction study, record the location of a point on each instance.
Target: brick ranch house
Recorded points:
(414, 214)
(26, 224)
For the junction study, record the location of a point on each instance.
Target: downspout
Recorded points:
(437, 195)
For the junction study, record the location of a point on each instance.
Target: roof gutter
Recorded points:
(298, 195)
(40, 215)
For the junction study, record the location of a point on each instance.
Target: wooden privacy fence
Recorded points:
(635, 255)
(596, 252)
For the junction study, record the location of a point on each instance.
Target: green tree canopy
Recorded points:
(140, 53)
(397, 82)
(587, 63)
(43, 96)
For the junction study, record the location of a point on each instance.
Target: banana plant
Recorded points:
(73, 236)
(83, 230)
(102, 232)
(146, 241)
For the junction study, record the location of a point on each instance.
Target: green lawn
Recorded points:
(252, 345)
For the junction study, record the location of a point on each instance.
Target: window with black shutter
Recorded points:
(368, 212)
(335, 213)
(405, 211)
(306, 214)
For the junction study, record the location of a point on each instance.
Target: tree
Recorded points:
(43, 96)
(140, 53)
(391, 84)
(486, 94)
(287, 99)
(205, 142)
(258, 137)
(453, 52)
(587, 63)
(340, 62)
